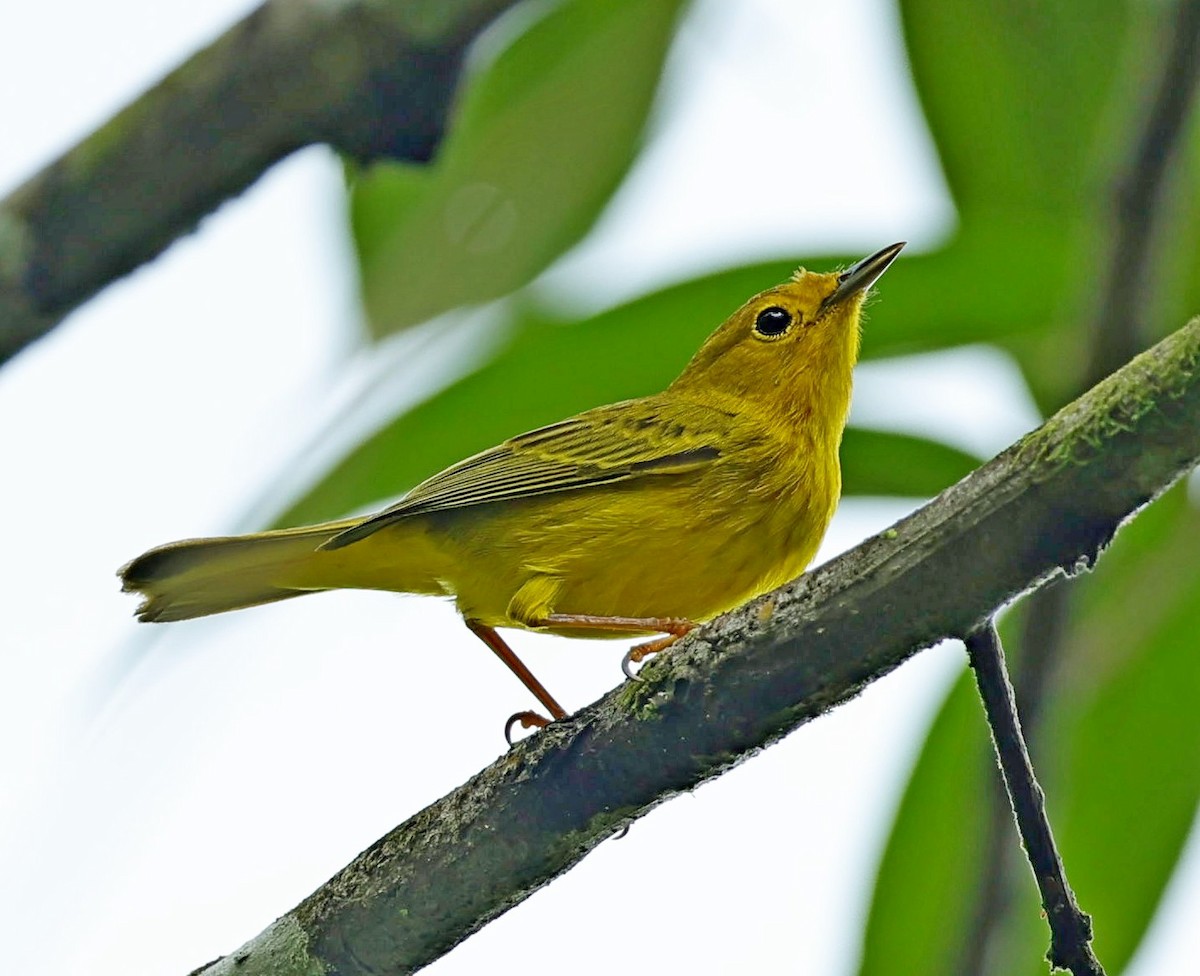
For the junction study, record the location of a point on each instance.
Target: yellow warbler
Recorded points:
(639, 517)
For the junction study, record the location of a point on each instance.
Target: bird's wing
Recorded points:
(634, 439)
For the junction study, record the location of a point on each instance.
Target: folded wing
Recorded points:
(621, 442)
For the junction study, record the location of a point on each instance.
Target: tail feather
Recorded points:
(197, 577)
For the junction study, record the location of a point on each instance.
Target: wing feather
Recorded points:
(634, 439)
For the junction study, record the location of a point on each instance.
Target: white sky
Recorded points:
(246, 758)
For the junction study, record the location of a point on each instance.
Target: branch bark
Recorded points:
(1070, 926)
(1046, 506)
(370, 77)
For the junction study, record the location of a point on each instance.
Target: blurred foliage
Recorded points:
(1118, 753)
(539, 141)
(1037, 118)
(1034, 109)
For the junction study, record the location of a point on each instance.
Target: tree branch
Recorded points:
(1041, 635)
(370, 77)
(1070, 926)
(1047, 505)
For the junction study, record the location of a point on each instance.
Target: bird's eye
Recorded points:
(772, 322)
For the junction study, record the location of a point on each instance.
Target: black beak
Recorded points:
(863, 275)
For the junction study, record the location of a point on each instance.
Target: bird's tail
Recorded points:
(196, 577)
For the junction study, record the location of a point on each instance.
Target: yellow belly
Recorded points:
(691, 549)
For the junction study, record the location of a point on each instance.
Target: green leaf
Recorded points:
(1035, 119)
(1015, 95)
(542, 138)
(998, 281)
(1117, 750)
(876, 462)
(919, 909)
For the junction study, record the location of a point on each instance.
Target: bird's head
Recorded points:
(791, 343)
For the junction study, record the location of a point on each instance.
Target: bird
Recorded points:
(642, 517)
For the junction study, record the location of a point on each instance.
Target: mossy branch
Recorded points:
(1047, 505)
(370, 77)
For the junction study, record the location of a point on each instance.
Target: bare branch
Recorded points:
(1045, 506)
(370, 77)
(1070, 926)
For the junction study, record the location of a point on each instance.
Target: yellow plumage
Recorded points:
(676, 506)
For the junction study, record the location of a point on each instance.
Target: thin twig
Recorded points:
(1070, 927)
(1041, 636)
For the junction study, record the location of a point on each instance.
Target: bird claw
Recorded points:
(639, 652)
(527, 720)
